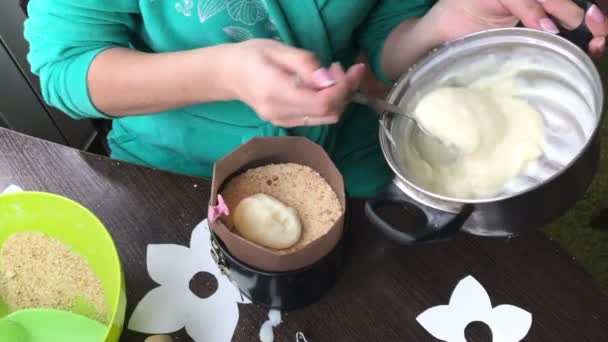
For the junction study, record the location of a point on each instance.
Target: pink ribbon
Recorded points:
(219, 210)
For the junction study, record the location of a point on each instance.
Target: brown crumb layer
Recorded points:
(37, 271)
(297, 186)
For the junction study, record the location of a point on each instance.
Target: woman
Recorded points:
(188, 81)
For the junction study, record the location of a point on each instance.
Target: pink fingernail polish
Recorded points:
(596, 14)
(323, 78)
(548, 25)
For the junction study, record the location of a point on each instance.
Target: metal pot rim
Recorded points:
(385, 143)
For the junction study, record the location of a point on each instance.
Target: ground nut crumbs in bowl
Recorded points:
(297, 186)
(37, 271)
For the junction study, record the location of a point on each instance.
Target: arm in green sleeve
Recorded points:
(384, 18)
(65, 36)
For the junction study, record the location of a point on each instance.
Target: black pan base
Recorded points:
(281, 290)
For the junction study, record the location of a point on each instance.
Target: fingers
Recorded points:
(571, 16)
(355, 75)
(597, 46)
(321, 78)
(596, 21)
(324, 78)
(281, 102)
(282, 99)
(299, 92)
(566, 12)
(332, 100)
(532, 14)
(296, 61)
(307, 107)
(537, 14)
(336, 71)
(333, 90)
(300, 101)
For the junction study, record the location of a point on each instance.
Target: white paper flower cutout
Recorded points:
(470, 303)
(248, 12)
(172, 306)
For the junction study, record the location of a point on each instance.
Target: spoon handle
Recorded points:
(379, 105)
(382, 107)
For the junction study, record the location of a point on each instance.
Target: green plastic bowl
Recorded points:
(70, 222)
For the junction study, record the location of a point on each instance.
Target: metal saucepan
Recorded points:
(559, 80)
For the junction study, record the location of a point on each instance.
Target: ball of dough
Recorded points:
(265, 220)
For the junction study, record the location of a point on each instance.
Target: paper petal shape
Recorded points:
(157, 313)
(213, 319)
(200, 245)
(170, 263)
(438, 322)
(470, 303)
(510, 323)
(173, 266)
(470, 299)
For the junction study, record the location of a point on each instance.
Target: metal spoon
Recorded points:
(448, 154)
(379, 105)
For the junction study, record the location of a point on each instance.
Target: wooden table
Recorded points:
(383, 288)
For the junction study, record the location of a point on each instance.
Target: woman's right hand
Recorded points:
(287, 86)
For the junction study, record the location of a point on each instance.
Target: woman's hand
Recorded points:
(287, 86)
(460, 17)
(284, 85)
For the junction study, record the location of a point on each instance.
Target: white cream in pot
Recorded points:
(496, 135)
(535, 76)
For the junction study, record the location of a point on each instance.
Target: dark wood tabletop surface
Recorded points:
(383, 287)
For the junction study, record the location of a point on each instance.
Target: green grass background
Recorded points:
(589, 245)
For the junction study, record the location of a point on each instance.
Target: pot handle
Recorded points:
(581, 35)
(439, 224)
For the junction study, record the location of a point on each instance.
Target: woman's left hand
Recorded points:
(460, 17)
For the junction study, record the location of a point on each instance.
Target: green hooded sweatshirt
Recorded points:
(66, 35)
